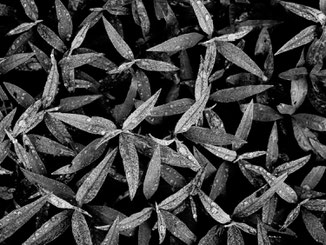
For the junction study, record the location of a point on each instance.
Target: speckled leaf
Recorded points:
(192, 115)
(56, 187)
(129, 157)
(140, 16)
(219, 182)
(112, 237)
(77, 60)
(155, 65)
(140, 113)
(50, 230)
(292, 166)
(64, 21)
(85, 157)
(263, 113)
(311, 121)
(29, 119)
(36, 163)
(238, 93)
(75, 102)
(23, 98)
(48, 146)
(93, 125)
(203, 161)
(269, 210)
(152, 177)
(211, 136)
(235, 55)
(316, 205)
(304, 11)
(119, 44)
(5, 123)
(94, 181)
(161, 226)
(184, 151)
(234, 236)
(318, 147)
(30, 9)
(302, 135)
(214, 121)
(244, 127)
(79, 38)
(51, 38)
(11, 62)
(10, 223)
(58, 129)
(42, 58)
(177, 228)
(172, 177)
(181, 42)
(143, 85)
(312, 179)
(22, 28)
(262, 236)
(303, 37)
(19, 44)
(314, 226)
(211, 237)
(172, 108)
(204, 18)
(254, 202)
(80, 229)
(52, 84)
(221, 152)
(272, 147)
(144, 233)
(214, 210)
(296, 73)
(123, 67)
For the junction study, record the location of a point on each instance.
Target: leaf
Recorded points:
(238, 93)
(112, 237)
(93, 125)
(80, 229)
(179, 229)
(52, 83)
(244, 126)
(10, 223)
(312, 179)
(292, 166)
(42, 58)
(155, 65)
(302, 135)
(204, 18)
(130, 162)
(19, 45)
(214, 121)
(172, 108)
(211, 237)
(263, 113)
(85, 157)
(30, 9)
(51, 38)
(262, 236)
(94, 181)
(235, 55)
(51, 229)
(234, 236)
(304, 11)
(221, 152)
(315, 205)
(47, 146)
(37, 166)
(152, 177)
(135, 219)
(144, 234)
(204, 162)
(29, 119)
(303, 37)
(56, 187)
(75, 102)
(140, 113)
(219, 182)
(23, 27)
(11, 62)
(178, 43)
(214, 210)
(119, 44)
(211, 136)
(192, 115)
(272, 147)
(269, 210)
(65, 25)
(142, 16)
(172, 177)
(241, 32)
(75, 61)
(314, 226)
(23, 98)
(311, 121)
(254, 202)
(79, 38)
(299, 90)
(322, 6)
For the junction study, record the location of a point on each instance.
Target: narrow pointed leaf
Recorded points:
(42, 57)
(75, 102)
(30, 9)
(80, 229)
(221, 152)
(314, 226)
(272, 147)
(77, 60)
(262, 236)
(21, 96)
(153, 174)
(172, 108)
(311, 121)
(312, 179)
(22, 28)
(79, 38)
(112, 237)
(155, 65)
(204, 18)
(11, 62)
(219, 182)
(51, 38)
(234, 236)
(292, 166)
(64, 21)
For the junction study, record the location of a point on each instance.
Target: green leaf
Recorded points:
(181, 42)
(172, 108)
(204, 18)
(42, 58)
(77, 60)
(119, 44)
(65, 25)
(50, 230)
(10, 223)
(235, 55)
(238, 93)
(94, 181)
(292, 166)
(130, 162)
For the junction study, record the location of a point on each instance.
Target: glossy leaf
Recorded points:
(112, 237)
(262, 236)
(65, 25)
(311, 121)
(314, 226)
(204, 18)
(234, 236)
(30, 9)
(155, 65)
(51, 38)
(152, 177)
(42, 57)
(79, 38)
(80, 229)
(11, 62)
(23, 98)
(312, 179)
(272, 147)
(221, 152)
(75, 102)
